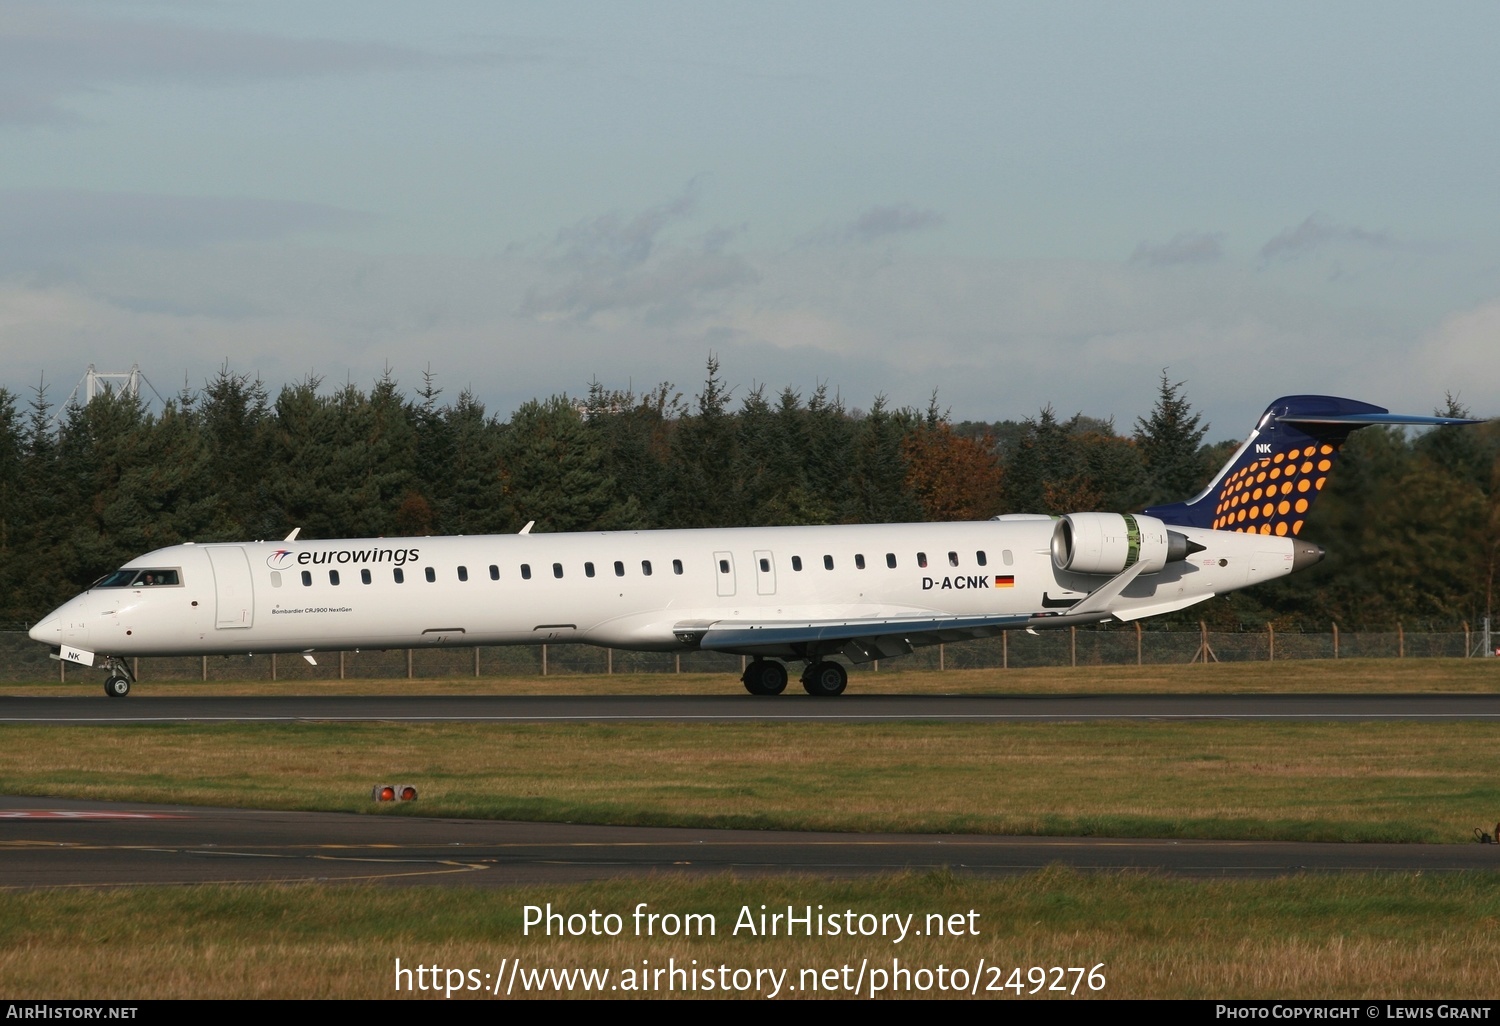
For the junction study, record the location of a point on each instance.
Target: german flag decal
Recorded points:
(1007, 581)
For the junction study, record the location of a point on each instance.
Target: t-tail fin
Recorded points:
(1271, 481)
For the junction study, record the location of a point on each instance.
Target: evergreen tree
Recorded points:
(235, 419)
(465, 477)
(634, 432)
(703, 489)
(877, 492)
(1170, 441)
(556, 472)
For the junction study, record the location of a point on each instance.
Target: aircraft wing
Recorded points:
(860, 639)
(864, 638)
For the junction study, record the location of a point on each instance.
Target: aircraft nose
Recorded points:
(65, 625)
(48, 632)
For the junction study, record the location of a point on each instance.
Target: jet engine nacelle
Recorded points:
(1107, 543)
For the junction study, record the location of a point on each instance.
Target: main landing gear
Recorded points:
(821, 679)
(825, 680)
(765, 677)
(117, 684)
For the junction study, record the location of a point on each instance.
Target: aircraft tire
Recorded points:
(117, 687)
(825, 680)
(765, 677)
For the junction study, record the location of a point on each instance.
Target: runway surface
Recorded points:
(146, 708)
(59, 843)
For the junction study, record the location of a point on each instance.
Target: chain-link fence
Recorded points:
(22, 659)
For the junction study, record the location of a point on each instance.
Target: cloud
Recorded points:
(1315, 233)
(900, 219)
(642, 296)
(40, 226)
(878, 223)
(1184, 248)
(615, 263)
(612, 240)
(49, 53)
(1458, 356)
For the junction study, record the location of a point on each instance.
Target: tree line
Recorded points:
(1411, 523)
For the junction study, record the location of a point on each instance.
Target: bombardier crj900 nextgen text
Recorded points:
(775, 594)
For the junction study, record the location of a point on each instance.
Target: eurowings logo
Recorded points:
(281, 559)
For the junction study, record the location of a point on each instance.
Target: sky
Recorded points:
(1007, 205)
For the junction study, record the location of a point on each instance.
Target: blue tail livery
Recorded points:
(1270, 482)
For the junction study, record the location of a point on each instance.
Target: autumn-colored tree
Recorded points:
(952, 477)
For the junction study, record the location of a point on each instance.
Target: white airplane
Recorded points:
(775, 594)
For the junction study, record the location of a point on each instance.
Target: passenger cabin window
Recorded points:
(859, 561)
(1005, 557)
(646, 567)
(588, 569)
(463, 573)
(275, 578)
(827, 562)
(677, 566)
(557, 570)
(797, 563)
(890, 560)
(723, 566)
(525, 571)
(494, 572)
(979, 558)
(307, 578)
(765, 565)
(619, 569)
(430, 574)
(921, 559)
(399, 574)
(333, 577)
(364, 576)
(953, 559)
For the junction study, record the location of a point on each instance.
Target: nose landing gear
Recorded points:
(117, 684)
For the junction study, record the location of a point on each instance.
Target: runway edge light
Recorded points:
(393, 792)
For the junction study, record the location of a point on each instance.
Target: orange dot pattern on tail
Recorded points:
(1270, 495)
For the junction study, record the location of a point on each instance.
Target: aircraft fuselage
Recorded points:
(631, 590)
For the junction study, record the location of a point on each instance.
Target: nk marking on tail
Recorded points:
(1272, 480)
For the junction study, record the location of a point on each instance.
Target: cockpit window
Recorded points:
(136, 578)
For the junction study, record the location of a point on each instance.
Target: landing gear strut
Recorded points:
(825, 679)
(765, 677)
(117, 684)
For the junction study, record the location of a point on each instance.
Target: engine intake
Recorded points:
(1108, 543)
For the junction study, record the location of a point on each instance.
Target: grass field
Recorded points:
(1366, 936)
(1304, 781)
